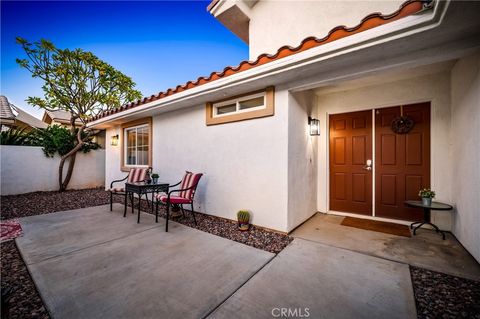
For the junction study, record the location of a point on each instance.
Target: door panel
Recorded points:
(402, 165)
(350, 148)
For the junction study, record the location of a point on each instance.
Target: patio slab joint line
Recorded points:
(239, 287)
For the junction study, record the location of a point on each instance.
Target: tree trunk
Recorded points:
(71, 163)
(63, 183)
(72, 155)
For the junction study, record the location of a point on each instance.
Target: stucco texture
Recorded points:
(244, 163)
(26, 169)
(465, 132)
(274, 24)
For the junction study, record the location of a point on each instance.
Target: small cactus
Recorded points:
(243, 216)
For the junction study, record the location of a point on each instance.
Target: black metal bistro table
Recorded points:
(142, 188)
(426, 214)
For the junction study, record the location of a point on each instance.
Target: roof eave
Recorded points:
(400, 28)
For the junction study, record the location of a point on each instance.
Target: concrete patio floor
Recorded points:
(93, 263)
(426, 249)
(319, 281)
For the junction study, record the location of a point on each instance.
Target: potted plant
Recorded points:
(426, 194)
(243, 217)
(155, 178)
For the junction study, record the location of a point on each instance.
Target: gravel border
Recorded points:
(24, 299)
(439, 295)
(38, 203)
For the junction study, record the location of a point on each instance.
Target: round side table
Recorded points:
(426, 214)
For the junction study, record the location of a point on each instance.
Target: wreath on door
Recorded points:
(402, 124)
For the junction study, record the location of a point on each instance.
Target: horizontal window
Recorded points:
(242, 104)
(245, 107)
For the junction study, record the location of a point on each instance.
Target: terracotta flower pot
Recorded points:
(243, 226)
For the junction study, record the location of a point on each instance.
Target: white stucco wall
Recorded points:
(245, 163)
(465, 133)
(112, 158)
(274, 24)
(434, 88)
(302, 159)
(26, 169)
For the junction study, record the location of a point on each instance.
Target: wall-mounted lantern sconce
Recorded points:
(314, 126)
(114, 141)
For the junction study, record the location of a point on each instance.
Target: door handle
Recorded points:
(368, 166)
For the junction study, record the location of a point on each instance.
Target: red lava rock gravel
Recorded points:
(24, 299)
(256, 237)
(444, 296)
(37, 203)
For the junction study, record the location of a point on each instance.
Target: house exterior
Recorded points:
(59, 117)
(396, 96)
(12, 116)
(62, 118)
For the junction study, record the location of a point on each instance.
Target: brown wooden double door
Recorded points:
(401, 164)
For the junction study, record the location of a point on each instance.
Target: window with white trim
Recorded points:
(248, 106)
(136, 146)
(244, 104)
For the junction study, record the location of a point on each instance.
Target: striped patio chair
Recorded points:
(186, 193)
(137, 174)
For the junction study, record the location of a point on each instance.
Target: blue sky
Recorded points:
(160, 44)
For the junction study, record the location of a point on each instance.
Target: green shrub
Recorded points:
(16, 136)
(426, 193)
(60, 139)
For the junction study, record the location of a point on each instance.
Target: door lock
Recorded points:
(368, 166)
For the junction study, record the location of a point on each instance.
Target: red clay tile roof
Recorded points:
(371, 21)
(212, 4)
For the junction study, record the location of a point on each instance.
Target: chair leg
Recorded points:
(111, 200)
(156, 211)
(168, 214)
(125, 202)
(139, 204)
(193, 214)
(183, 211)
(148, 204)
(131, 202)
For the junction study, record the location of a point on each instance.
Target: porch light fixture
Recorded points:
(314, 126)
(114, 140)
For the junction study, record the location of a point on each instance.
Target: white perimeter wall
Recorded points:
(434, 88)
(274, 24)
(26, 169)
(245, 163)
(466, 152)
(302, 159)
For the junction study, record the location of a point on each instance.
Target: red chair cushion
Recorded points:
(117, 190)
(174, 199)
